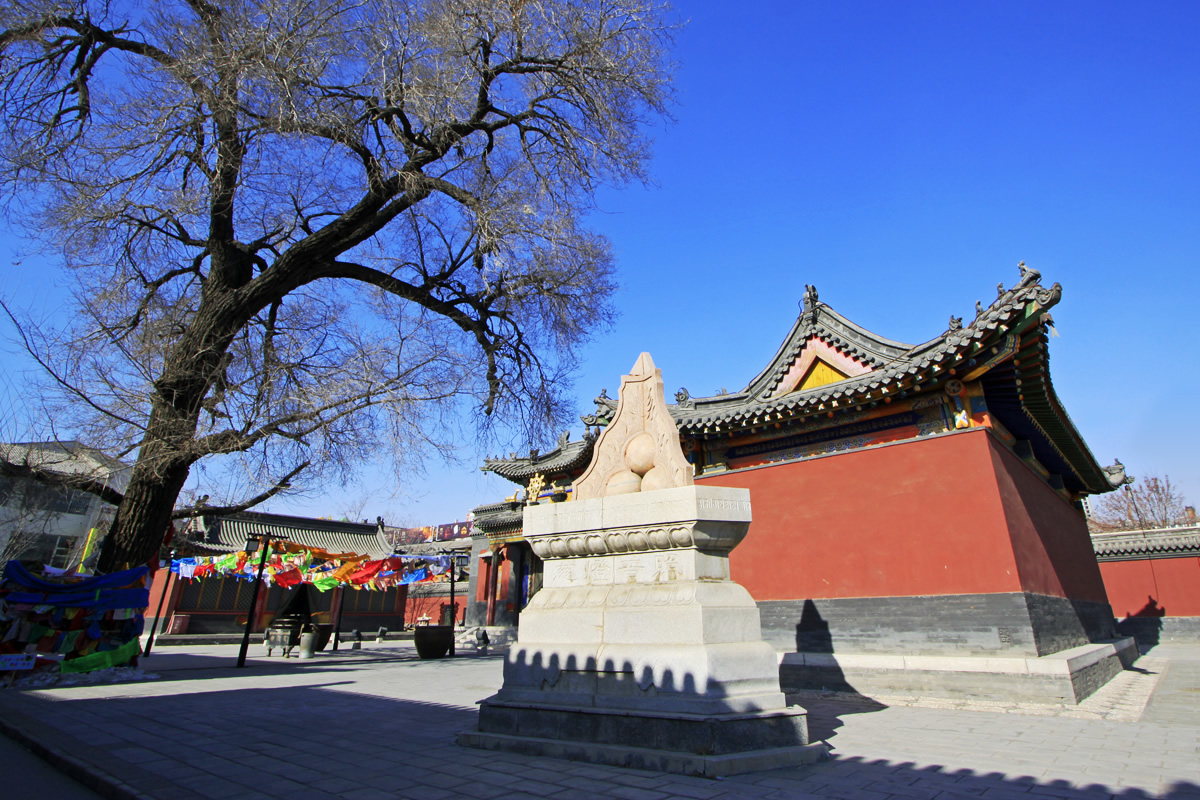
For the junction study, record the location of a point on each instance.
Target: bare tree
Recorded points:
(1149, 502)
(305, 230)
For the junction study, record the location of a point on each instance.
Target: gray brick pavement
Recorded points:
(379, 723)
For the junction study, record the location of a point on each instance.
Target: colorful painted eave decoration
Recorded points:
(290, 565)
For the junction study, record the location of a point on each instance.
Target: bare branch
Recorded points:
(299, 228)
(282, 484)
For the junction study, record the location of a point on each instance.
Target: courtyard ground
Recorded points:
(380, 723)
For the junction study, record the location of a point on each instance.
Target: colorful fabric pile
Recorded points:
(87, 622)
(291, 564)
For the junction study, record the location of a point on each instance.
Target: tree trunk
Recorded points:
(168, 449)
(142, 519)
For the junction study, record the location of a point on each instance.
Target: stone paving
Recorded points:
(380, 723)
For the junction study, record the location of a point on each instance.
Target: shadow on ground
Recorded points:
(192, 666)
(825, 713)
(328, 739)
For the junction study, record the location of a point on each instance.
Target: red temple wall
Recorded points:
(918, 518)
(953, 514)
(162, 579)
(1153, 587)
(1049, 535)
(158, 585)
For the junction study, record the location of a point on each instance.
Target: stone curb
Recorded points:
(63, 753)
(38, 738)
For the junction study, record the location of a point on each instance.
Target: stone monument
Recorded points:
(639, 650)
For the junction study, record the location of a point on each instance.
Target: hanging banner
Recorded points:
(291, 564)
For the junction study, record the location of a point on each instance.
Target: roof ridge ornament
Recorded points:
(1115, 473)
(810, 297)
(1028, 275)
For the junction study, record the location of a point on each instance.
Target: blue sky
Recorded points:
(902, 157)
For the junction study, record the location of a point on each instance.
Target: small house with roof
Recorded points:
(222, 604)
(45, 513)
(909, 500)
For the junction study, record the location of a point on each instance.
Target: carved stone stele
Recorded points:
(639, 650)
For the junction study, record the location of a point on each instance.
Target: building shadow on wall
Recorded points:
(812, 632)
(1145, 624)
(821, 687)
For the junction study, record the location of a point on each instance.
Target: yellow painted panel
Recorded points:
(819, 374)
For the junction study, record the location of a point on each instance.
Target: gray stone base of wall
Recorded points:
(1150, 631)
(711, 746)
(1008, 624)
(1068, 676)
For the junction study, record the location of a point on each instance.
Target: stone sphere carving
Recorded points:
(656, 478)
(617, 542)
(660, 538)
(623, 482)
(637, 541)
(639, 453)
(595, 545)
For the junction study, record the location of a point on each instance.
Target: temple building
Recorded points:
(908, 500)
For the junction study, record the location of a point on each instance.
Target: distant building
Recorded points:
(222, 604)
(48, 523)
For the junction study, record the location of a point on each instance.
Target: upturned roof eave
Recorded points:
(1040, 402)
(563, 459)
(1005, 322)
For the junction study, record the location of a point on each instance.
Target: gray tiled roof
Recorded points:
(896, 367)
(497, 518)
(831, 327)
(1140, 545)
(564, 459)
(228, 534)
(69, 458)
(1018, 390)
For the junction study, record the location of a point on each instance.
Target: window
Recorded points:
(53, 550)
(33, 496)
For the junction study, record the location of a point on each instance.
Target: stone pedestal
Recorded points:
(639, 650)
